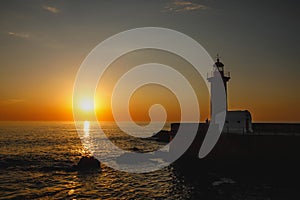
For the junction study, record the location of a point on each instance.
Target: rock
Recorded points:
(88, 163)
(135, 149)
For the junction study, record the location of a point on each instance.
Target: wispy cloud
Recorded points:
(11, 101)
(51, 9)
(38, 39)
(18, 35)
(184, 6)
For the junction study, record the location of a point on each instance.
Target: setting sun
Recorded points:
(87, 105)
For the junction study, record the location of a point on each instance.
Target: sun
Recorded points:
(87, 105)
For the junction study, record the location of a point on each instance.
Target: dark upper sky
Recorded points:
(44, 42)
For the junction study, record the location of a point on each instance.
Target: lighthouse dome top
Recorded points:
(218, 63)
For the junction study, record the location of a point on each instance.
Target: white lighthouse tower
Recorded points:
(218, 69)
(237, 121)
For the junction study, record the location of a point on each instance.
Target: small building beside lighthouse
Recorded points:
(237, 121)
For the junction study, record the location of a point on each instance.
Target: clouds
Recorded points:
(32, 35)
(40, 39)
(18, 35)
(184, 6)
(51, 9)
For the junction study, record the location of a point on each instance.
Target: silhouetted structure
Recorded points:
(257, 147)
(237, 121)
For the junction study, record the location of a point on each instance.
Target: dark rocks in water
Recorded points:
(163, 136)
(88, 163)
(136, 149)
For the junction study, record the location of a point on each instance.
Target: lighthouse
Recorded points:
(237, 121)
(218, 70)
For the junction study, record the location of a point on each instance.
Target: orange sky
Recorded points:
(53, 100)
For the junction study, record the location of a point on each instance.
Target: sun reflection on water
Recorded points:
(86, 138)
(86, 128)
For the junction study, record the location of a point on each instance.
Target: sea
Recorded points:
(37, 161)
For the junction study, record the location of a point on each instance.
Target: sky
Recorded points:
(43, 44)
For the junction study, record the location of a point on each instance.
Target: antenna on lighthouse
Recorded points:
(218, 57)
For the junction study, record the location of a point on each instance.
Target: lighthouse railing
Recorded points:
(227, 74)
(213, 74)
